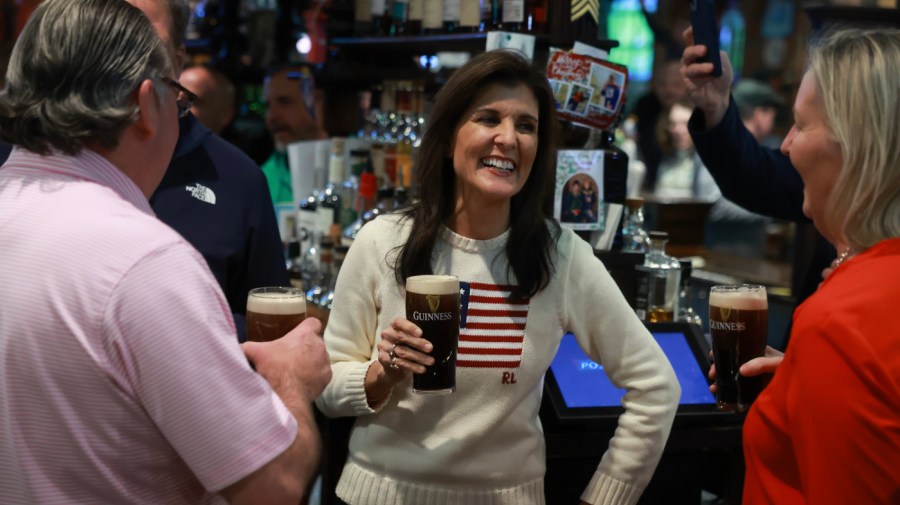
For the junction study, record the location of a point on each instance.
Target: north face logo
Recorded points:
(202, 193)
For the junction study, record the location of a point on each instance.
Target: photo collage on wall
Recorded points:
(588, 91)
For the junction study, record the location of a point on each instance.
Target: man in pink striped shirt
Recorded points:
(120, 377)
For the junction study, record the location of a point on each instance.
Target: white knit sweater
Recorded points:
(483, 444)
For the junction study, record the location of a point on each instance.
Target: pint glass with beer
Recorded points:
(274, 311)
(738, 325)
(432, 304)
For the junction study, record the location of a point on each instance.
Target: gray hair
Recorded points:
(73, 73)
(857, 86)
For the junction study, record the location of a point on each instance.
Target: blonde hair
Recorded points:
(857, 86)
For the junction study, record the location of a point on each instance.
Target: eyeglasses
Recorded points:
(185, 97)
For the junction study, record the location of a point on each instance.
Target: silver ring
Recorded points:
(393, 356)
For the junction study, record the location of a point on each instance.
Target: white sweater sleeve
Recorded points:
(610, 333)
(352, 333)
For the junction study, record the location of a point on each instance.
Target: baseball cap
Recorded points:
(753, 93)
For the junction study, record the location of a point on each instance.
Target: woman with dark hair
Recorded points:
(485, 174)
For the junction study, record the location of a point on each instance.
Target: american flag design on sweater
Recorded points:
(491, 326)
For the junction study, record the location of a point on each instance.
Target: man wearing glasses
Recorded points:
(213, 194)
(120, 377)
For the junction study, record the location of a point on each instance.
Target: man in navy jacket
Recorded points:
(213, 194)
(217, 198)
(760, 179)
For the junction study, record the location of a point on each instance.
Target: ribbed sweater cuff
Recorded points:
(604, 490)
(356, 389)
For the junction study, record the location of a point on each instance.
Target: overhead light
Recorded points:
(304, 43)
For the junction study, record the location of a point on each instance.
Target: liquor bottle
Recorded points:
(404, 134)
(293, 263)
(513, 15)
(634, 237)
(376, 153)
(365, 201)
(380, 19)
(389, 130)
(330, 201)
(491, 15)
(469, 15)
(359, 158)
(451, 15)
(686, 297)
(309, 232)
(319, 282)
(368, 191)
(416, 15)
(326, 297)
(536, 16)
(362, 18)
(615, 177)
(433, 17)
(663, 280)
(401, 198)
(399, 15)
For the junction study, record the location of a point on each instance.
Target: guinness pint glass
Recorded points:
(432, 304)
(274, 311)
(738, 325)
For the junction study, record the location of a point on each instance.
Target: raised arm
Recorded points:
(757, 178)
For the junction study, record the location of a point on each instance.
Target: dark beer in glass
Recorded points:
(739, 326)
(274, 311)
(432, 304)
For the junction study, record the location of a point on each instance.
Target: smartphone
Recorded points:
(706, 32)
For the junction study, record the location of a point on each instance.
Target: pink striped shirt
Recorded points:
(121, 379)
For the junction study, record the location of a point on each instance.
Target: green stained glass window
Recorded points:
(626, 23)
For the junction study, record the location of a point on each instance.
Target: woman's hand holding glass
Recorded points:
(756, 366)
(402, 351)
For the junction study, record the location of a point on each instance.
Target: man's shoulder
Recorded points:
(229, 156)
(218, 158)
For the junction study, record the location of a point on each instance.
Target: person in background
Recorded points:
(485, 178)
(682, 175)
(680, 172)
(759, 179)
(758, 105)
(289, 92)
(214, 107)
(213, 194)
(667, 88)
(122, 380)
(827, 427)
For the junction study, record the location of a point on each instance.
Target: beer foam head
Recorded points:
(277, 303)
(743, 297)
(432, 284)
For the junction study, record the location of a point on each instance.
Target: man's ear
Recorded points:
(147, 121)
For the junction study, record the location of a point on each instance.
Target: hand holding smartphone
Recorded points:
(706, 32)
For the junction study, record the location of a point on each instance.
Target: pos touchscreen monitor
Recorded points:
(578, 389)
